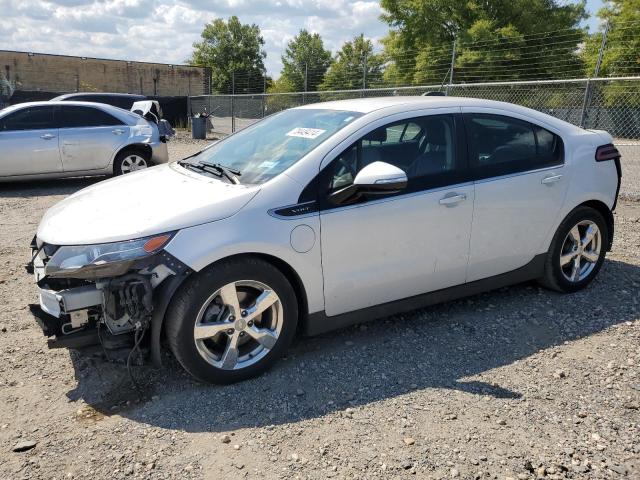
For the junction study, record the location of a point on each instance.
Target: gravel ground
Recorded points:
(519, 383)
(630, 151)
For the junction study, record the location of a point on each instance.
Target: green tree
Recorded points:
(622, 53)
(355, 66)
(234, 53)
(497, 40)
(305, 55)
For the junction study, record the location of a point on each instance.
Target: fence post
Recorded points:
(364, 73)
(453, 62)
(233, 93)
(596, 73)
(264, 90)
(306, 84)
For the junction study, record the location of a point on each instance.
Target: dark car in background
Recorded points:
(121, 100)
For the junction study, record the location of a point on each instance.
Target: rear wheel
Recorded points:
(577, 251)
(232, 321)
(130, 161)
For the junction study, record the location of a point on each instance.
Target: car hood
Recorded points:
(155, 200)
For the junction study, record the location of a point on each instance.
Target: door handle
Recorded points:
(551, 179)
(117, 131)
(47, 136)
(452, 199)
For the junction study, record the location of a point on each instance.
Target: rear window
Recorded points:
(76, 117)
(501, 145)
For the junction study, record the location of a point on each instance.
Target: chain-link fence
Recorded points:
(611, 104)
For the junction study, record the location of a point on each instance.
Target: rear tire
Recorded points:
(130, 160)
(232, 321)
(577, 251)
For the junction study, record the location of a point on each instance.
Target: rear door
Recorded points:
(89, 137)
(29, 142)
(520, 186)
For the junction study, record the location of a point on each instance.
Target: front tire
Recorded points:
(577, 251)
(232, 321)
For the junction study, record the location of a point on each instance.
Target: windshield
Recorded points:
(272, 145)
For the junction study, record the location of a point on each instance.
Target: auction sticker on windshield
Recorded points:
(305, 132)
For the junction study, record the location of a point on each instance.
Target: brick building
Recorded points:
(37, 72)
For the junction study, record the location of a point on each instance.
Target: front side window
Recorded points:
(78, 117)
(424, 147)
(269, 147)
(30, 118)
(500, 145)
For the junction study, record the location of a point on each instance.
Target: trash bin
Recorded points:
(199, 127)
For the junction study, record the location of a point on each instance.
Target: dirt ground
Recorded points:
(518, 383)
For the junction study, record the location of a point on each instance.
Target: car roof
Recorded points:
(50, 103)
(118, 112)
(380, 104)
(96, 94)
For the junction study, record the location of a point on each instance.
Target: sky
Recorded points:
(164, 30)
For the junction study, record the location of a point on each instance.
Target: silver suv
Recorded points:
(68, 139)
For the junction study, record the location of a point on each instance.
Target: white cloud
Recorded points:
(164, 30)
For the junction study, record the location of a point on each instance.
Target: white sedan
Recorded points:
(321, 216)
(68, 139)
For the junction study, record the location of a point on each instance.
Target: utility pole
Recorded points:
(596, 72)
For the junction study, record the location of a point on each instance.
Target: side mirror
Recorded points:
(377, 178)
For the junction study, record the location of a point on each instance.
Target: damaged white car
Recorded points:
(321, 216)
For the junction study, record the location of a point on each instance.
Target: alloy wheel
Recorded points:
(132, 163)
(580, 251)
(238, 325)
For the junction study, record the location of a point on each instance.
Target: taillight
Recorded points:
(607, 152)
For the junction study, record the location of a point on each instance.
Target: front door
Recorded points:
(29, 142)
(384, 249)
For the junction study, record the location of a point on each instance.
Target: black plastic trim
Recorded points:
(619, 171)
(296, 210)
(162, 296)
(319, 322)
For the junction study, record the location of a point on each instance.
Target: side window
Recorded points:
(76, 117)
(500, 145)
(550, 148)
(424, 147)
(30, 118)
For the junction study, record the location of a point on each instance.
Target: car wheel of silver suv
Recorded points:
(129, 161)
(232, 321)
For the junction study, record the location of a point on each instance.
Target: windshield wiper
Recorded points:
(228, 172)
(214, 168)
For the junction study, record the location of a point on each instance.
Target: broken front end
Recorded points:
(113, 294)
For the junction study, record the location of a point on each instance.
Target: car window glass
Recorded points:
(411, 132)
(267, 148)
(30, 118)
(500, 139)
(78, 117)
(549, 145)
(424, 148)
(500, 145)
